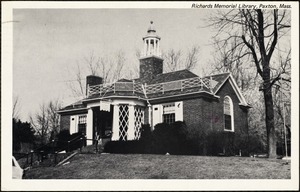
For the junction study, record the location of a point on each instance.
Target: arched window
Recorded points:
(228, 114)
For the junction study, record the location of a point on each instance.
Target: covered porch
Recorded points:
(115, 119)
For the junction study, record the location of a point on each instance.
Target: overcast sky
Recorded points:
(47, 44)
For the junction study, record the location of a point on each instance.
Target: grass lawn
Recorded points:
(138, 166)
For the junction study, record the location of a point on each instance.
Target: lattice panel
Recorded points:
(108, 88)
(138, 88)
(123, 122)
(196, 82)
(95, 89)
(172, 85)
(124, 86)
(206, 82)
(155, 88)
(193, 82)
(138, 121)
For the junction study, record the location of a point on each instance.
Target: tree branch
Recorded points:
(259, 71)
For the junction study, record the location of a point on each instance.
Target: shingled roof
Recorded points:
(77, 105)
(217, 80)
(173, 76)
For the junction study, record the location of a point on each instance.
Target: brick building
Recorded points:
(213, 102)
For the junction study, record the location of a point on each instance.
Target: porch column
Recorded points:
(158, 52)
(115, 126)
(130, 131)
(150, 116)
(145, 47)
(148, 47)
(89, 126)
(154, 46)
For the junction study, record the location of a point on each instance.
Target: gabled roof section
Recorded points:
(173, 76)
(221, 79)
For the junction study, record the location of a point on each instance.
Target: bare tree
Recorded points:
(46, 120)
(192, 58)
(53, 116)
(40, 123)
(172, 59)
(253, 35)
(16, 108)
(178, 59)
(92, 63)
(118, 65)
(109, 68)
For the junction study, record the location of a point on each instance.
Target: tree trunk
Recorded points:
(269, 109)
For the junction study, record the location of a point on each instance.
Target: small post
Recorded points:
(145, 89)
(27, 162)
(31, 160)
(133, 87)
(38, 155)
(41, 153)
(114, 87)
(52, 146)
(181, 85)
(55, 157)
(210, 84)
(96, 146)
(81, 143)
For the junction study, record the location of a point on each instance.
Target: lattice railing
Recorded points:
(138, 87)
(153, 88)
(95, 89)
(107, 88)
(114, 87)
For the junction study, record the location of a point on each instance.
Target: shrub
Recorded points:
(171, 138)
(178, 139)
(166, 138)
(146, 132)
(241, 144)
(255, 145)
(124, 147)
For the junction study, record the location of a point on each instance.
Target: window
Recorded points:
(123, 122)
(169, 118)
(169, 113)
(138, 121)
(82, 124)
(228, 114)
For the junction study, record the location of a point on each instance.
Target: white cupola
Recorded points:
(151, 42)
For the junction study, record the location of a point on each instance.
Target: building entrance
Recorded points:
(102, 123)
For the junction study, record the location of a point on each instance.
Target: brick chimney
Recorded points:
(151, 63)
(93, 80)
(150, 67)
